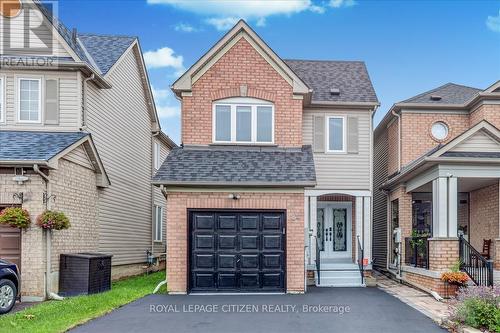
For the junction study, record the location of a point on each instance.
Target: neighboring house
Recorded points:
(275, 167)
(437, 171)
(79, 133)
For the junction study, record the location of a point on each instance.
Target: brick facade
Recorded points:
(484, 216)
(74, 187)
(443, 253)
(240, 66)
(405, 216)
(489, 112)
(416, 132)
(177, 239)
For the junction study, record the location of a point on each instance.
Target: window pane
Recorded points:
(243, 123)
(222, 123)
(158, 223)
(264, 124)
(25, 85)
(336, 133)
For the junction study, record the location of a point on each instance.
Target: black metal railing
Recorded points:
(477, 267)
(417, 251)
(318, 260)
(361, 255)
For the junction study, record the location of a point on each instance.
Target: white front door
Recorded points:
(334, 229)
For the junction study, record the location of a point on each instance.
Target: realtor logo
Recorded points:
(25, 32)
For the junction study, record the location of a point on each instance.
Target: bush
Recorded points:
(15, 217)
(53, 220)
(479, 307)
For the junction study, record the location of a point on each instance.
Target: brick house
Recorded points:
(272, 184)
(79, 133)
(436, 169)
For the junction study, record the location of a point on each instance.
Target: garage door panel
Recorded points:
(271, 222)
(205, 261)
(249, 222)
(249, 242)
(272, 280)
(204, 280)
(228, 281)
(10, 244)
(204, 242)
(271, 242)
(227, 242)
(237, 251)
(271, 261)
(249, 261)
(227, 261)
(227, 222)
(249, 281)
(204, 221)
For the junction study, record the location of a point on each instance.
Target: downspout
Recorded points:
(84, 100)
(48, 239)
(399, 137)
(153, 191)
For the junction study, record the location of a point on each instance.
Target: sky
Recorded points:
(408, 46)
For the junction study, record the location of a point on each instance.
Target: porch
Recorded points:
(446, 215)
(338, 237)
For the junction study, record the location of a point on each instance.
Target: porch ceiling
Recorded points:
(464, 184)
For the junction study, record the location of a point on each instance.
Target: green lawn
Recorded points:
(59, 316)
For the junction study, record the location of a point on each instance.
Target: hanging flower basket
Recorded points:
(53, 220)
(15, 217)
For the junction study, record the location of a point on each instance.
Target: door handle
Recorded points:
(331, 234)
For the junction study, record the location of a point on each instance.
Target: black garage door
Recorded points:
(237, 251)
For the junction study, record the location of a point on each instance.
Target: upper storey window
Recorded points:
(243, 120)
(30, 100)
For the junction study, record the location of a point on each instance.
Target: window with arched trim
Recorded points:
(243, 120)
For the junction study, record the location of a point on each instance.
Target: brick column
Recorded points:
(443, 253)
(496, 262)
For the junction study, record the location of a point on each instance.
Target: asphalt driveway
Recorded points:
(320, 310)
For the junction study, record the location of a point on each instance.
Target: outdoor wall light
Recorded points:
(234, 196)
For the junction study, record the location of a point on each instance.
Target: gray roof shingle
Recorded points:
(39, 146)
(350, 77)
(105, 50)
(238, 165)
(450, 93)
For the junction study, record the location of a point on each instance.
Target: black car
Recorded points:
(9, 285)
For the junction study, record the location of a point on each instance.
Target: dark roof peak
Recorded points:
(448, 93)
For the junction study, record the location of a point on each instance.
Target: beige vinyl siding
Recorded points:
(380, 173)
(478, 142)
(45, 34)
(120, 123)
(159, 200)
(79, 156)
(69, 100)
(341, 170)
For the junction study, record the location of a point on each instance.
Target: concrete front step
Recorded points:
(339, 281)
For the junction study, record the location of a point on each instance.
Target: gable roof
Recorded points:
(239, 166)
(105, 50)
(45, 148)
(240, 30)
(350, 77)
(35, 146)
(449, 93)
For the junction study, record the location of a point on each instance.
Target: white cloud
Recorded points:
(493, 22)
(166, 104)
(164, 57)
(342, 3)
(223, 14)
(185, 27)
(222, 23)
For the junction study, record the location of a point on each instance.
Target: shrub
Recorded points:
(456, 278)
(15, 217)
(53, 220)
(479, 307)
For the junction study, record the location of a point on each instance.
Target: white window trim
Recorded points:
(344, 135)
(156, 155)
(3, 99)
(233, 103)
(162, 211)
(18, 98)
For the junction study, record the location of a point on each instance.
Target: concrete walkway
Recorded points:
(319, 310)
(423, 302)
